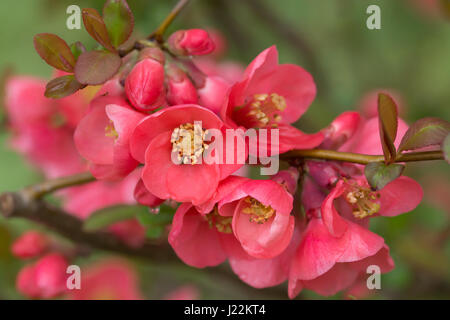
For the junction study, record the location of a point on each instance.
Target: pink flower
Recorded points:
(43, 128)
(261, 219)
(327, 264)
(30, 244)
(273, 96)
(45, 279)
(191, 42)
(213, 93)
(180, 89)
(144, 85)
(102, 137)
(255, 214)
(108, 280)
(159, 141)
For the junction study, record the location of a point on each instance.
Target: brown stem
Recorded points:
(22, 205)
(159, 32)
(39, 190)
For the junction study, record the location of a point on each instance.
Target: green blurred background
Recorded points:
(410, 54)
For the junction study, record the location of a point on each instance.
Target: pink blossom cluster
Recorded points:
(270, 231)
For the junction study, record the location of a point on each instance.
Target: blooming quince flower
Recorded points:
(179, 164)
(272, 96)
(102, 137)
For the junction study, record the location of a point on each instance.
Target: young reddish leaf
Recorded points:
(77, 49)
(96, 67)
(62, 87)
(425, 132)
(96, 27)
(387, 115)
(119, 21)
(446, 148)
(379, 174)
(54, 51)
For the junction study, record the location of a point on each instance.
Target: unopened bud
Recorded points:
(180, 89)
(193, 42)
(31, 244)
(51, 276)
(144, 85)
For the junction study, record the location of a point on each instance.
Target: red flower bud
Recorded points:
(30, 245)
(26, 282)
(180, 88)
(51, 276)
(194, 42)
(144, 85)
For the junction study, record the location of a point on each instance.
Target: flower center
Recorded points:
(110, 131)
(188, 141)
(362, 200)
(262, 111)
(258, 212)
(221, 223)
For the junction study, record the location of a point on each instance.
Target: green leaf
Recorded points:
(77, 49)
(379, 174)
(119, 21)
(154, 232)
(163, 217)
(96, 67)
(388, 123)
(62, 87)
(96, 27)
(446, 148)
(108, 216)
(54, 51)
(425, 132)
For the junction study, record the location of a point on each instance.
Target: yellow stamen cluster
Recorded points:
(188, 141)
(363, 201)
(221, 223)
(110, 131)
(266, 108)
(258, 212)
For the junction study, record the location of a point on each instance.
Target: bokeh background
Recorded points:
(410, 55)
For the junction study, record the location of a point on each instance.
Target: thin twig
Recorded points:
(20, 205)
(159, 32)
(359, 158)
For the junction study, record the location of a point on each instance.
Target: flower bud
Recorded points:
(180, 89)
(324, 174)
(26, 282)
(288, 179)
(144, 85)
(193, 42)
(51, 276)
(30, 245)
